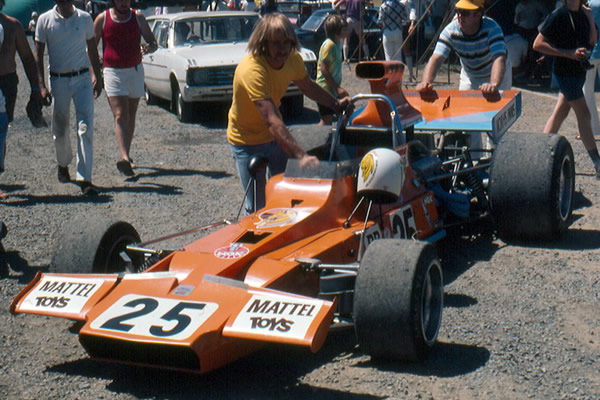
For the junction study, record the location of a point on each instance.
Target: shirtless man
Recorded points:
(15, 41)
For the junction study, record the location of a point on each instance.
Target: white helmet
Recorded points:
(34, 14)
(381, 175)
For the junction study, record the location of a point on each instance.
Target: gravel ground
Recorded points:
(519, 322)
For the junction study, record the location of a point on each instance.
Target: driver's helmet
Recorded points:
(381, 176)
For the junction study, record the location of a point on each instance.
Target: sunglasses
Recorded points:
(466, 13)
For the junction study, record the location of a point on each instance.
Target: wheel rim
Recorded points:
(179, 104)
(432, 303)
(565, 188)
(113, 261)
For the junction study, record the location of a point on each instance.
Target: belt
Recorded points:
(69, 74)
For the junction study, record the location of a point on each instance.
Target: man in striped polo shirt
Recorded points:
(479, 43)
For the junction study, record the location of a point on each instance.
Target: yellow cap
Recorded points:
(470, 4)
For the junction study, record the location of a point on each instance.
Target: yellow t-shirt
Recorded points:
(254, 80)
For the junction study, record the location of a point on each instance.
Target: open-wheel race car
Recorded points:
(350, 242)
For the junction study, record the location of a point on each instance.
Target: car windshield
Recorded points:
(210, 30)
(315, 21)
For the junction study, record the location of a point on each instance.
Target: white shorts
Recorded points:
(124, 81)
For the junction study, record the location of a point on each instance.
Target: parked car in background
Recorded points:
(197, 56)
(298, 11)
(312, 33)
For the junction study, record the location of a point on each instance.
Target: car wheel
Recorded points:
(398, 300)
(292, 106)
(151, 99)
(93, 245)
(183, 109)
(532, 181)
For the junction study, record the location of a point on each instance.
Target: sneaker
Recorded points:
(88, 189)
(63, 174)
(124, 167)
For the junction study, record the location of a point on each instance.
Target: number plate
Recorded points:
(155, 317)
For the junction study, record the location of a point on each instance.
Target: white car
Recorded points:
(197, 56)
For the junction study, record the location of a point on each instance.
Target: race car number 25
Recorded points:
(154, 317)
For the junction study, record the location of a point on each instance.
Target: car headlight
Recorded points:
(197, 76)
(311, 69)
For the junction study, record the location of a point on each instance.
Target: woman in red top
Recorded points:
(120, 28)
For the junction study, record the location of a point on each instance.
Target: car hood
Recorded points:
(213, 54)
(208, 55)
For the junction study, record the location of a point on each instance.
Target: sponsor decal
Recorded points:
(277, 217)
(506, 118)
(154, 317)
(234, 250)
(183, 290)
(367, 167)
(67, 294)
(277, 315)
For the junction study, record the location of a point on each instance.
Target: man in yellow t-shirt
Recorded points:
(260, 81)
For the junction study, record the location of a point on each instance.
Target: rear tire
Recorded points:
(532, 181)
(398, 300)
(93, 245)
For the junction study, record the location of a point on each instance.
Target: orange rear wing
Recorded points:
(466, 111)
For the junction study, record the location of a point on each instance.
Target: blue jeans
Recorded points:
(3, 131)
(277, 161)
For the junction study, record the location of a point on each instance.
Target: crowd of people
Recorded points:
(567, 35)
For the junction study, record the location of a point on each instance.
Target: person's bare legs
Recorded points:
(133, 107)
(559, 114)
(120, 109)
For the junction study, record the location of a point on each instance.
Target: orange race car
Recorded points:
(348, 242)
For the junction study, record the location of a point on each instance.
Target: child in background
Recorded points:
(329, 74)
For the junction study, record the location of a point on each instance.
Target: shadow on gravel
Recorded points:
(448, 360)
(143, 187)
(574, 239)
(459, 252)
(12, 260)
(455, 300)
(275, 372)
(580, 201)
(25, 200)
(160, 172)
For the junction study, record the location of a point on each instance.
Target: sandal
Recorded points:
(124, 167)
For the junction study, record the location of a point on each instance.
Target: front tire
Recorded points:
(398, 300)
(93, 245)
(532, 183)
(183, 109)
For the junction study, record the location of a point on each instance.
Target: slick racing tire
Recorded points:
(93, 245)
(532, 181)
(398, 300)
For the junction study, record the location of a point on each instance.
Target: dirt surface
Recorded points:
(519, 321)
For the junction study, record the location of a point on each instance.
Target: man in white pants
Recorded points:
(392, 17)
(69, 34)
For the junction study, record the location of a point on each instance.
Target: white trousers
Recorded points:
(80, 90)
(590, 98)
(392, 44)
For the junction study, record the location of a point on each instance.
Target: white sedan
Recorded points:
(197, 56)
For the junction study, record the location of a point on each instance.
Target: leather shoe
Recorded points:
(63, 174)
(88, 189)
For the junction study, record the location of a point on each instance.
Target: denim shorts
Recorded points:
(570, 86)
